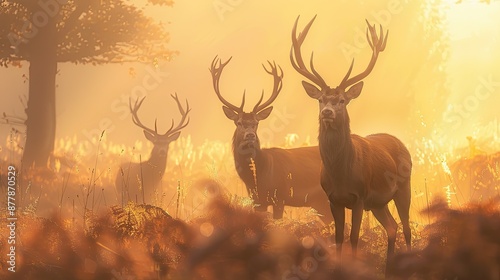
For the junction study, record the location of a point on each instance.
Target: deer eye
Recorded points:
(239, 123)
(342, 101)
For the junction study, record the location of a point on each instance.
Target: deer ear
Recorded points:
(262, 115)
(312, 90)
(354, 91)
(174, 136)
(149, 136)
(230, 114)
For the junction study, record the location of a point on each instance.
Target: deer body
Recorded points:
(273, 177)
(144, 175)
(139, 182)
(358, 173)
(361, 168)
(284, 177)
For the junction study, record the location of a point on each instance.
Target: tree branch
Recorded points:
(72, 21)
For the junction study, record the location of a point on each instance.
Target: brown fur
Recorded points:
(284, 176)
(359, 173)
(365, 173)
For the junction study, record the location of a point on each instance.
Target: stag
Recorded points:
(138, 182)
(273, 177)
(359, 173)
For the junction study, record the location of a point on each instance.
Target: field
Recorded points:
(95, 185)
(72, 224)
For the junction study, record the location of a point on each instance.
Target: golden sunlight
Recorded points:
(225, 139)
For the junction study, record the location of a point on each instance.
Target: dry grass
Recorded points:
(462, 244)
(143, 242)
(72, 224)
(230, 241)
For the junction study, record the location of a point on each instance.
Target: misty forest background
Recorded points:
(66, 88)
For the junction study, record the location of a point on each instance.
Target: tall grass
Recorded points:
(213, 233)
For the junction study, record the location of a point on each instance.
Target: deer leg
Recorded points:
(323, 209)
(278, 210)
(383, 215)
(357, 214)
(402, 200)
(261, 207)
(338, 213)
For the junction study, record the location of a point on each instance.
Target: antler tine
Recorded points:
(184, 112)
(278, 84)
(135, 117)
(256, 107)
(377, 44)
(216, 71)
(323, 83)
(369, 40)
(298, 62)
(243, 101)
(384, 39)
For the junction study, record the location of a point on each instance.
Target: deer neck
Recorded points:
(244, 155)
(158, 162)
(336, 148)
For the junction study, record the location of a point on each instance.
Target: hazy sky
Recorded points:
(89, 98)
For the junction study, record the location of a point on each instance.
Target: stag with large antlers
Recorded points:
(138, 182)
(273, 177)
(359, 173)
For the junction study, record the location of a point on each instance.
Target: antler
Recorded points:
(184, 114)
(134, 109)
(298, 62)
(278, 84)
(216, 71)
(136, 119)
(378, 45)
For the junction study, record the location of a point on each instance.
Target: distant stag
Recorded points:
(273, 177)
(358, 172)
(138, 182)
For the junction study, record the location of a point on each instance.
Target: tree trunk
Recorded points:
(41, 110)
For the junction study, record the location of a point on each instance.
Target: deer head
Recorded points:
(247, 123)
(161, 141)
(333, 101)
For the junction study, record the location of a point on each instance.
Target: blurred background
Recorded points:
(436, 87)
(438, 54)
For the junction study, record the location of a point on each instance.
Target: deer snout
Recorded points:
(328, 113)
(250, 136)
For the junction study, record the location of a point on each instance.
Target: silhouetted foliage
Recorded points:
(463, 244)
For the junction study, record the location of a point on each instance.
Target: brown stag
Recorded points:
(272, 176)
(359, 173)
(138, 182)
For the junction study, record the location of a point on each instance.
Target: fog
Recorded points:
(438, 76)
